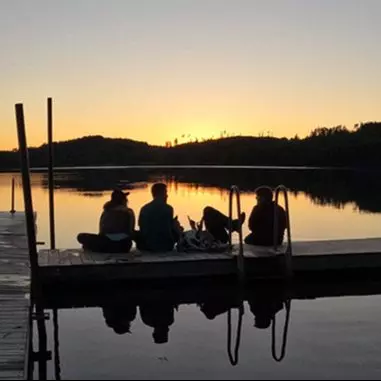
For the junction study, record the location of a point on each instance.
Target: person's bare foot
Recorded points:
(236, 225)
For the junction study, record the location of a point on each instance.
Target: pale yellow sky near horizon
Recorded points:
(154, 70)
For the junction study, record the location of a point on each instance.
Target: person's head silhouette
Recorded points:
(160, 334)
(262, 321)
(159, 192)
(121, 328)
(119, 317)
(265, 195)
(118, 197)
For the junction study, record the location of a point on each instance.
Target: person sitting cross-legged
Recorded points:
(116, 227)
(159, 229)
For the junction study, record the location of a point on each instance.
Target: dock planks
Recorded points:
(14, 297)
(312, 256)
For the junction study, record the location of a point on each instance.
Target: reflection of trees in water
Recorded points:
(94, 183)
(320, 200)
(336, 188)
(93, 194)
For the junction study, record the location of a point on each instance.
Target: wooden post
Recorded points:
(31, 229)
(27, 190)
(57, 361)
(51, 175)
(13, 211)
(42, 344)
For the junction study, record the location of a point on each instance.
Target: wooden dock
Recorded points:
(317, 257)
(14, 297)
(197, 276)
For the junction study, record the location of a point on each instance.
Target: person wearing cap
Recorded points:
(116, 227)
(261, 221)
(159, 229)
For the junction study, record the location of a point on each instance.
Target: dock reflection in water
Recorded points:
(262, 307)
(160, 316)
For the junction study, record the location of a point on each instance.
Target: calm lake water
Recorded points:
(328, 338)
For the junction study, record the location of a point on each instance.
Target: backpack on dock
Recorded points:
(196, 241)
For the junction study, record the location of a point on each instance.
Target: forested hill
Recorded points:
(335, 146)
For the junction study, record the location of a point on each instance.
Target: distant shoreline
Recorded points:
(217, 167)
(335, 148)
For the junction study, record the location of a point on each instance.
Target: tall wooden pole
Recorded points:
(51, 175)
(13, 191)
(27, 190)
(31, 229)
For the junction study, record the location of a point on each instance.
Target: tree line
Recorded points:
(327, 147)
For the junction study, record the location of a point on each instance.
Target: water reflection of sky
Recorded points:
(78, 210)
(328, 338)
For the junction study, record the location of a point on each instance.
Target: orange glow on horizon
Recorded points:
(152, 132)
(187, 200)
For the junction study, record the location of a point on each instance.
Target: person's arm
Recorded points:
(141, 217)
(254, 219)
(176, 228)
(171, 221)
(101, 223)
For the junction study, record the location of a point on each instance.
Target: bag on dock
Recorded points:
(194, 241)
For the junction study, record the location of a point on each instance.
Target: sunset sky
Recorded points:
(154, 70)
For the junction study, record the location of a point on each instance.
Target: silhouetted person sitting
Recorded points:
(261, 221)
(159, 230)
(264, 305)
(217, 224)
(159, 316)
(119, 317)
(116, 227)
(213, 308)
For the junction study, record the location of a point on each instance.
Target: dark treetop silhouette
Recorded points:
(337, 146)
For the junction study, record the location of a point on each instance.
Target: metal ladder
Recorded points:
(234, 357)
(285, 334)
(289, 273)
(234, 191)
(288, 252)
